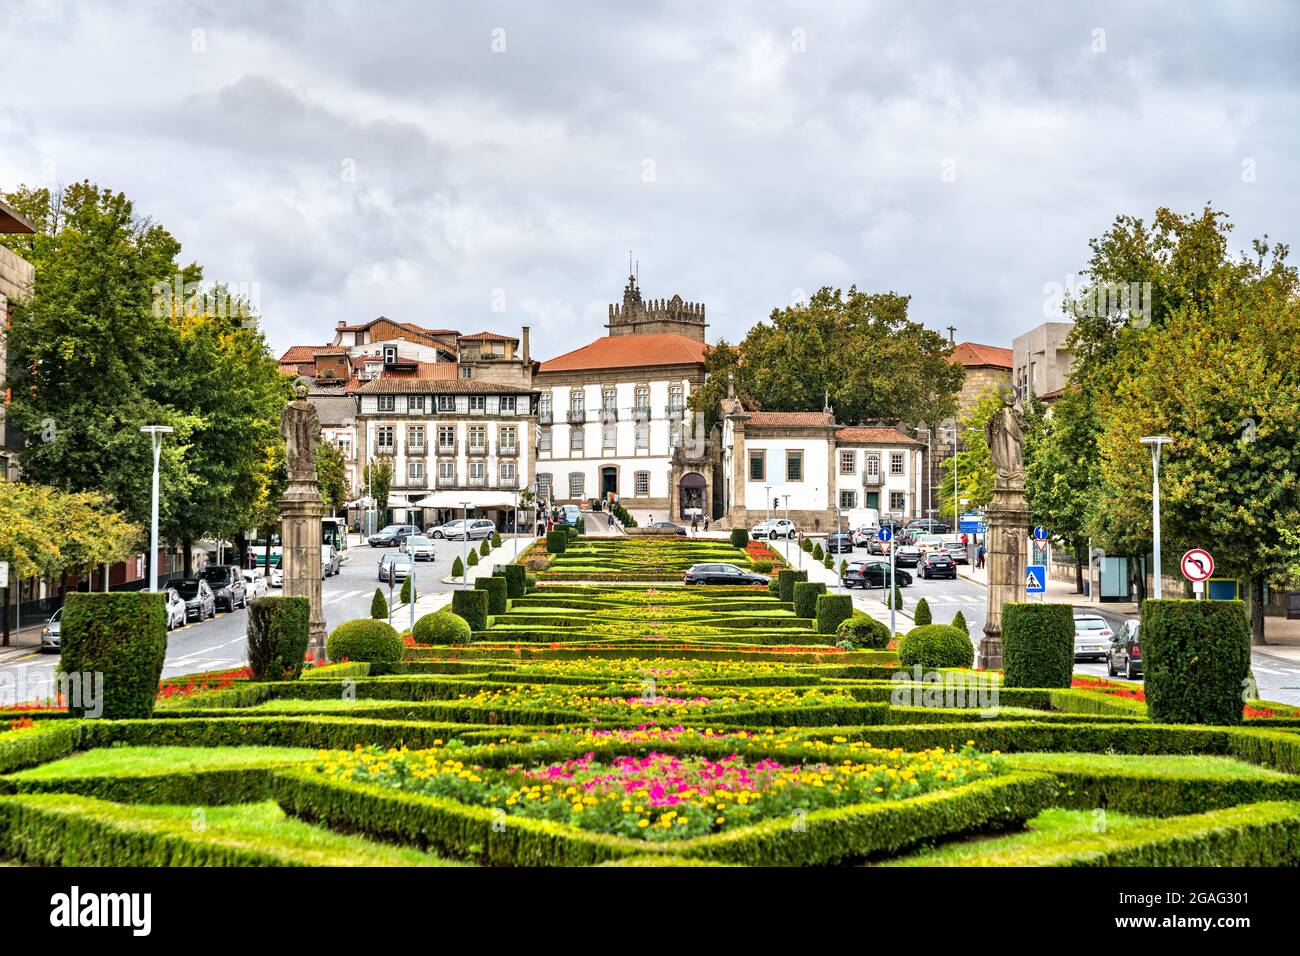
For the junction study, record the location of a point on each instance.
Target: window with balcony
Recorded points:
(642, 409)
(848, 462)
(544, 439)
(641, 483)
(477, 473)
(608, 400)
(447, 472)
(508, 474)
(896, 463)
(544, 408)
(794, 466)
(576, 484)
(577, 406)
(507, 440)
(414, 472)
(446, 439)
(609, 436)
(757, 466)
(676, 401)
(477, 439)
(384, 439)
(387, 403)
(415, 440)
(873, 468)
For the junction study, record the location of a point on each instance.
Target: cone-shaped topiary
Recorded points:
(473, 560)
(922, 613)
(457, 568)
(807, 545)
(897, 602)
(405, 595)
(817, 552)
(485, 548)
(959, 622)
(379, 606)
(496, 540)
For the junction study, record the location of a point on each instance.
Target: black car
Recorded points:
(227, 585)
(200, 602)
(873, 574)
(1125, 654)
(938, 566)
(669, 526)
(929, 526)
(392, 536)
(908, 555)
(838, 542)
(722, 574)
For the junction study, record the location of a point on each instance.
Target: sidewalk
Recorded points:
(871, 602)
(510, 549)
(1061, 592)
(22, 643)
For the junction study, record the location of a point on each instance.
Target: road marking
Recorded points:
(342, 597)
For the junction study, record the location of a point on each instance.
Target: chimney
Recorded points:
(525, 343)
(340, 324)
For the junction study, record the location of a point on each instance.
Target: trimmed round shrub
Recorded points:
(863, 633)
(922, 613)
(1195, 660)
(379, 606)
(121, 637)
(441, 627)
(516, 580)
(959, 622)
(739, 537)
(374, 641)
(496, 592)
(278, 632)
(832, 610)
(472, 605)
(936, 645)
(571, 532)
(786, 579)
(556, 541)
(1037, 644)
(805, 597)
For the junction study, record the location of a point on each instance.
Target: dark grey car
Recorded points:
(1125, 653)
(722, 574)
(227, 583)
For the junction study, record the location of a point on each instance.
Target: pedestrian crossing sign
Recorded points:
(1036, 579)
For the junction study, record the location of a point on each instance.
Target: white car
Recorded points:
(418, 547)
(774, 528)
(176, 616)
(864, 536)
(277, 577)
(329, 560)
(254, 582)
(474, 528)
(1091, 637)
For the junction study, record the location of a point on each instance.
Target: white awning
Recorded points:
(476, 499)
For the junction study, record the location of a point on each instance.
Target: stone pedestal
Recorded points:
(300, 532)
(1008, 522)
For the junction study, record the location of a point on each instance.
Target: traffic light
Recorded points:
(776, 503)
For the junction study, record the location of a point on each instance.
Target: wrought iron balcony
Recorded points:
(545, 417)
(447, 448)
(576, 416)
(641, 413)
(510, 450)
(872, 479)
(675, 412)
(508, 483)
(477, 450)
(414, 449)
(479, 481)
(608, 415)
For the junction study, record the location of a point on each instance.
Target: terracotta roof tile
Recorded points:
(874, 435)
(487, 337)
(790, 419)
(304, 353)
(630, 351)
(973, 354)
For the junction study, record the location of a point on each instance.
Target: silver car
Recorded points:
(176, 615)
(474, 529)
(399, 565)
(418, 547)
(1091, 637)
(254, 582)
(52, 631)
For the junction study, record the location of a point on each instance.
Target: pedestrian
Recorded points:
(611, 519)
(979, 557)
(650, 520)
(706, 524)
(695, 527)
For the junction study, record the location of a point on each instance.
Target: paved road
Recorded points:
(220, 643)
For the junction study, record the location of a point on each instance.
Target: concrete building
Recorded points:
(1041, 359)
(17, 276)
(611, 415)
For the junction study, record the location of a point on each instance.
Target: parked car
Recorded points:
(474, 529)
(668, 525)
(1092, 636)
(907, 556)
(330, 562)
(930, 526)
(277, 577)
(863, 537)
(938, 565)
(392, 535)
(418, 547)
(401, 566)
(774, 528)
(200, 602)
(838, 542)
(1124, 656)
(254, 582)
(227, 585)
(52, 632)
(433, 531)
(873, 574)
(175, 609)
(722, 574)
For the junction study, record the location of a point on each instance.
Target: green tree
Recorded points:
(331, 475)
(723, 370)
(974, 464)
(1061, 477)
(379, 606)
(378, 477)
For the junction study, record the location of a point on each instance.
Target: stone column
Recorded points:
(1008, 522)
(301, 512)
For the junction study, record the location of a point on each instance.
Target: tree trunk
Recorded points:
(1080, 556)
(188, 558)
(241, 548)
(266, 568)
(1138, 574)
(1257, 609)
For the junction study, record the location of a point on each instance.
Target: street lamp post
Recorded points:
(155, 433)
(1156, 441)
(767, 497)
(464, 577)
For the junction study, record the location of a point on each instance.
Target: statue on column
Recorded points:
(299, 425)
(1004, 436)
(1008, 522)
(301, 511)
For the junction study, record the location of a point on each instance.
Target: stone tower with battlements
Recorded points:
(638, 317)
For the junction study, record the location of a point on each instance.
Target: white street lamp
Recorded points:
(767, 497)
(1156, 441)
(155, 433)
(464, 577)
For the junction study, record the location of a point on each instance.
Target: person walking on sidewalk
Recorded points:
(979, 557)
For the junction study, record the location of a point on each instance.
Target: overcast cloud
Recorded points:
(961, 153)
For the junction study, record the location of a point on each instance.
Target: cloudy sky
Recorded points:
(485, 165)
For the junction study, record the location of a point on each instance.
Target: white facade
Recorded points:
(782, 458)
(886, 478)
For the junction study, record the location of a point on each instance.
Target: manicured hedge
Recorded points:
(805, 597)
(472, 605)
(831, 610)
(40, 743)
(862, 631)
(114, 645)
(786, 579)
(739, 537)
(441, 627)
(516, 581)
(277, 636)
(376, 642)
(1165, 795)
(936, 645)
(1037, 644)
(496, 593)
(1195, 660)
(557, 541)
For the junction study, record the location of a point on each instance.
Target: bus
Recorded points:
(335, 531)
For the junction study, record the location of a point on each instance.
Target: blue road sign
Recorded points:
(973, 526)
(885, 534)
(1036, 579)
(1040, 533)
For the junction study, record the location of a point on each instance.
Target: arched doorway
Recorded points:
(608, 481)
(691, 491)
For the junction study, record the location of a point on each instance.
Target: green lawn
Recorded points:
(1049, 831)
(131, 760)
(1164, 765)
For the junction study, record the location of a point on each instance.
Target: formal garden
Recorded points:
(582, 708)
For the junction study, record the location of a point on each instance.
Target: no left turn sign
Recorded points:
(1197, 565)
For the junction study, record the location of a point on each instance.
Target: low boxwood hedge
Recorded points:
(557, 541)
(805, 597)
(516, 581)
(786, 579)
(277, 636)
(831, 610)
(496, 593)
